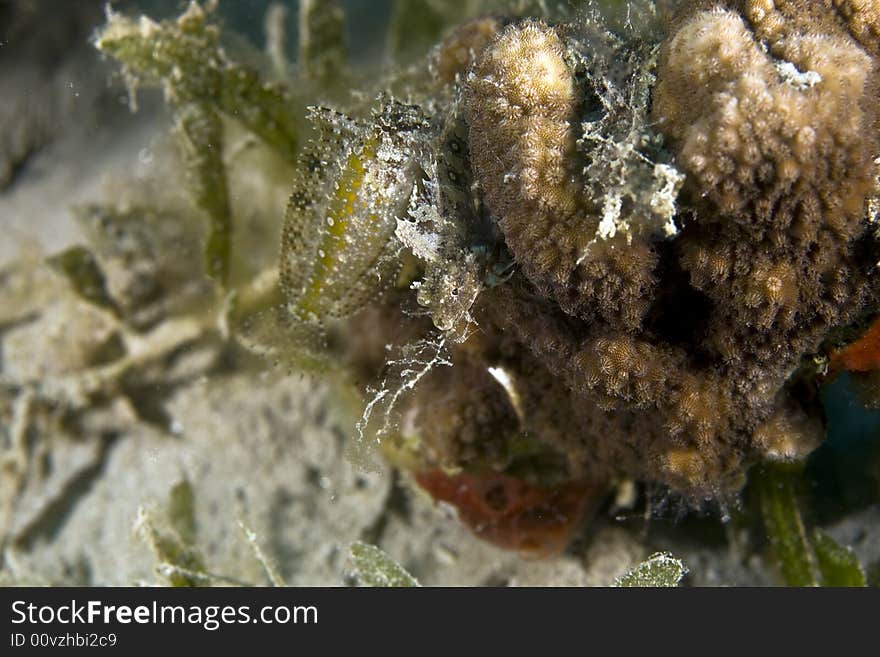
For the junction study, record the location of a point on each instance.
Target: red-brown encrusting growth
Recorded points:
(510, 513)
(862, 355)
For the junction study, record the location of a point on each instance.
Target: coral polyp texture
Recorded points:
(587, 251)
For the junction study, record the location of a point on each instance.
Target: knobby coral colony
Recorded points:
(632, 251)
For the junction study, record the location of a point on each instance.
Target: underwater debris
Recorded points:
(659, 569)
(203, 85)
(322, 47)
(186, 58)
(373, 567)
(804, 558)
(80, 267)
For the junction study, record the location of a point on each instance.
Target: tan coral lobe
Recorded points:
(519, 106)
(522, 106)
(753, 124)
